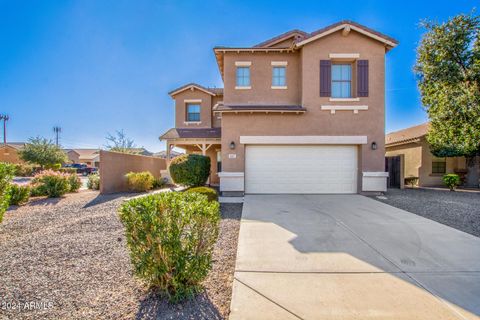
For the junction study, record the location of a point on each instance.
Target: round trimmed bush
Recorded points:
(140, 181)
(451, 181)
(209, 192)
(191, 170)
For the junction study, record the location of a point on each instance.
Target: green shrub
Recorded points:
(451, 180)
(51, 183)
(140, 181)
(411, 181)
(159, 183)
(171, 238)
(23, 170)
(19, 194)
(54, 166)
(68, 170)
(37, 190)
(7, 171)
(191, 170)
(93, 182)
(209, 192)
(75, 182)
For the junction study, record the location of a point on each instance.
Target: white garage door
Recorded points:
(301, 169)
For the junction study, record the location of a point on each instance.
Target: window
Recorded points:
(219, 161)
(243, 76)
(341, 80)
(278, 77)
(439, 165)
(193, 112)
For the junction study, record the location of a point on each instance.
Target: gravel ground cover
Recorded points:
(459, 209)
(67, 259)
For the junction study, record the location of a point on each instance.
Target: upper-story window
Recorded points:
(243, 76)
(279, 76)
(193, 112)
(341, 80)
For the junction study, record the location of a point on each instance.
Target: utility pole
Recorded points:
(5, 118)
(57, 131)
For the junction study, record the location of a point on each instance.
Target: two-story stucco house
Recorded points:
(299, 113)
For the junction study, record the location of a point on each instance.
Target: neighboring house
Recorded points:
(90, 157)
(9, 152)
(408, 155)
(299, 113)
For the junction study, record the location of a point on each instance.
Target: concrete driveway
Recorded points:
(350, 257)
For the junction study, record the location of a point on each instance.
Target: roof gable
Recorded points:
(295, 35)
(193, 86)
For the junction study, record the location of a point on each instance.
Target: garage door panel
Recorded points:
(301, 169)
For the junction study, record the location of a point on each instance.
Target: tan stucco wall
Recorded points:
(315, 121)
(418, 162)
(9, 154)
(261, 79)
(114, 166)
(205, 109)
(73, 157)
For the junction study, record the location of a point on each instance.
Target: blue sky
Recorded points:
(93, 67)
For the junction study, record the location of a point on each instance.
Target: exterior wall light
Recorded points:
(232, 145)
(374, 145)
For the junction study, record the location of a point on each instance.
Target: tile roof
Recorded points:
(186, 133)
(407, 135)
(298, 34)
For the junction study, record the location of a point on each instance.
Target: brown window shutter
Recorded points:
(362, 78)
(325, 78)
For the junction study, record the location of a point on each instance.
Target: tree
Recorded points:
(448, 70)
(42, 152)
(120, 143)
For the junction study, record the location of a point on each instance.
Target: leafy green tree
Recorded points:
(448, 70)
(120, 143)
(43, 152)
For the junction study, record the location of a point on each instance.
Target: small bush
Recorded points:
(191, 170)
(171, 238)
(93, 182)
(209, 192)
(68, 170)
(51, 183)
(75, 182)
(159, 183)
(23, 170)
(411, 181)
(37, 190)
(54, 166)
(7, 172)
(140, 181)
(19, 194)
(451, 181)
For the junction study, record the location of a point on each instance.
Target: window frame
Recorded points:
(282, 84)
(188, 113)
(341, 81)
(244, 85)
(439, 166)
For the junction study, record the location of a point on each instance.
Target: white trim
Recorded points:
(343, 99)
(374, 174)
(225, 174)
(355, 109)
(243, 63)
(192, 101)
(279, 63)
(191, 87)
(243, 88)
(303, 139)
(337, 28)
(344, 55)
(279, 87)
(192, 122)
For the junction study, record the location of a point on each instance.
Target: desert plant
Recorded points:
(159, 183)
(7, 171)
(51, 183)
(19, 194)
(37, 190)
(191, 170)
(209, 192)
(171, 238)
(140, 181)
(23, 170)
(42, 152)
(75, 182)
(93, 182)
(68, 170)
(451, 180)
(411, 181)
